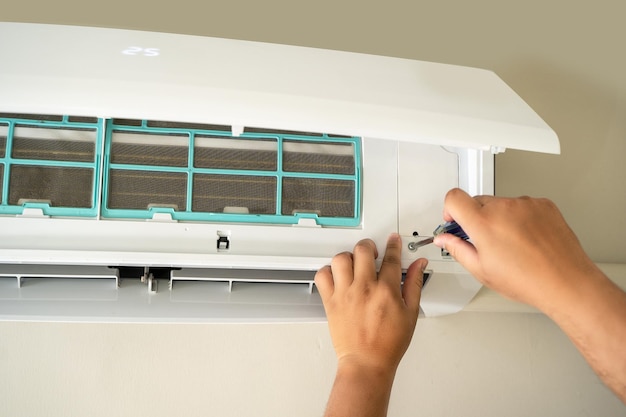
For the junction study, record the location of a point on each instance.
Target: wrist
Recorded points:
(360, 388)
(376, 372)
(561, 282)
(582, 293)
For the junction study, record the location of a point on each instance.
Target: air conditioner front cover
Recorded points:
(161, 177)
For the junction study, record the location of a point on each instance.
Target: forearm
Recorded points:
(593, 315)
(360, 392)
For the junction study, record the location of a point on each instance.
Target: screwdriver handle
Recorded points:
(451, 227)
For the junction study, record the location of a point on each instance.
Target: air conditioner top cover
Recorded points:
(145, 75)
(233, 169)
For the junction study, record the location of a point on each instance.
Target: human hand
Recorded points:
(521, 247)
(371, 317)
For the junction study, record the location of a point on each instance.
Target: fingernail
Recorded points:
(394, 237)
(424, 264)
(438, 241)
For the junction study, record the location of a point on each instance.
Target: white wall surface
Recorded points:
(564, 58)
(470, 364)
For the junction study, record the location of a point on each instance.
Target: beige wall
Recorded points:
(566, 59)
(468, 364)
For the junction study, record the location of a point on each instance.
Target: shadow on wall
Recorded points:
(587, 179)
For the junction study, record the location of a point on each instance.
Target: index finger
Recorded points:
(391, 268)
(365, 254)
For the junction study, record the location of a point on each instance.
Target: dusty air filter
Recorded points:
(49, 163)
(203, 173)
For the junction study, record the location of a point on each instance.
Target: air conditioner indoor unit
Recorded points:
(154, 177)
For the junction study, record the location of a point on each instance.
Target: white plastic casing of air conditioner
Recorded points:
(423, 127)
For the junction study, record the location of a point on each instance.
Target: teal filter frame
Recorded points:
(55, 160)
(184, 165)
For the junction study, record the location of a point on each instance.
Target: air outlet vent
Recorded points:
(90, 293)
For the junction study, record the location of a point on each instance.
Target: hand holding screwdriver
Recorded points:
(451, 227)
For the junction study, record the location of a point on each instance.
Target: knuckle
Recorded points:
(450, 249)
(342, 258)
(451, 194)
(365, 247)
(394, 251)
(538, 204)
(388, 291)
(506, 204)
(394, 245)
(392, 258)
(323, 273)
(549, 204)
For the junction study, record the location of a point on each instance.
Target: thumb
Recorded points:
(461, 250)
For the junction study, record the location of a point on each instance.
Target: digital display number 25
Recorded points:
(139, 51)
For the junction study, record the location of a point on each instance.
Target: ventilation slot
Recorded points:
(170, 125)
(33, 117)
(58, 292)
(186, 126)
(83, 119)
(49, 163)
(58, 282)
(82, 293)
(290, 132)
(243, 286)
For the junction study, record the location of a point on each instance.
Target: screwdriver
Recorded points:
(448, 227)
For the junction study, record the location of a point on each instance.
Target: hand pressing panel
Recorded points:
(370, 315)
